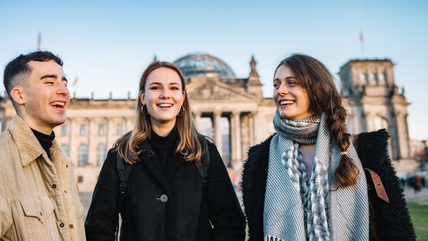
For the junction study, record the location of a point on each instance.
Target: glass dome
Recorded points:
(203, 65)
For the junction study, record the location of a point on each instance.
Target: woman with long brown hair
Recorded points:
(167, 196)
(307, 182)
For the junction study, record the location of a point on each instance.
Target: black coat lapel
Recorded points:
(149, 159)
(172, 165)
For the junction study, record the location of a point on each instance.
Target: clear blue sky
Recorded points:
(107, 44)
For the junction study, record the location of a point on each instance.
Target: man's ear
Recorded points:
(17, 95)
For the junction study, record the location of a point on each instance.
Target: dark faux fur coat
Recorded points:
(393, 220)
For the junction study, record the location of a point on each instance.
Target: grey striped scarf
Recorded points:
(296, 210)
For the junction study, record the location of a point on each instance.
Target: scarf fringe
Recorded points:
(272, 238)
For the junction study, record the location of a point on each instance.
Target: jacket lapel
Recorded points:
(149, 159)
(174, 163)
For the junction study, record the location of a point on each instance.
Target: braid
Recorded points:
(347, 172)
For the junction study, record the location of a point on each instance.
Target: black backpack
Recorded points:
(124, 170)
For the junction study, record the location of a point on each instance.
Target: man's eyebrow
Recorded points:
(53, 76)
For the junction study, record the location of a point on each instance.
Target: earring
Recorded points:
(181, 113)
(142, 110)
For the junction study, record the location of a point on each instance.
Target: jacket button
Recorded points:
(151, 153)
(53, 186)
(61, 225)
(71, 226)
(164, 198)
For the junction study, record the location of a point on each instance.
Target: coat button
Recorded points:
(61, 225)
(163, 198)
(71, 226)
(151, 153)
(53, 186)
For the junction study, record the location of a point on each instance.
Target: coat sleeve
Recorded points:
(102, 216)
(223, 207)
(5, 213)
(393, 219)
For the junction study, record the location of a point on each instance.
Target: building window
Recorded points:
(63, 130)
(101, 130)
(373, 76)
(101, 154)
(382, 76)
(80, 179)
(82, 155)
(119, 129)
(82, 130)
(363, 77)
(379, 123)
(66, 149)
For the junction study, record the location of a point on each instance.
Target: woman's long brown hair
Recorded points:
(188, 143)
(324, 97)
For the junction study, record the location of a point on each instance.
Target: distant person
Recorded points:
(168, 197)
(414, 183)
(307, 182)
(403, 182)
(38, 193)
(418, 184)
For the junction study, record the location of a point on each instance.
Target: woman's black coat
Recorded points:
(393, 220)
(186, 215)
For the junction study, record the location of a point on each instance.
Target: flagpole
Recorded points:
(362, 45)
(40, 42)
(75, 85)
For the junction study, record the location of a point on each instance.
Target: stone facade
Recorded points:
(233, 112)
(374, 102)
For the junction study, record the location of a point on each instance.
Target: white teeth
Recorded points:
(165, 105)
(286, 102)
(58, 103)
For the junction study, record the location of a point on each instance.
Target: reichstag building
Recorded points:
(232, 111)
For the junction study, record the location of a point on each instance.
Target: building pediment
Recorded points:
(211, 89)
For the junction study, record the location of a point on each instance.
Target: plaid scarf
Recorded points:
(297, 210)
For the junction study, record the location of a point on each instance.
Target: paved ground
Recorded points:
(421, 198)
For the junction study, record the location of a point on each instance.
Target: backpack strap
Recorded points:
(123, 169)
(204, 163)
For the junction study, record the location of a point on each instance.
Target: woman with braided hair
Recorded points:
(307, 182)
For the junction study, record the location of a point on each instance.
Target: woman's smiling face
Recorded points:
(290, 98)
(163, 96)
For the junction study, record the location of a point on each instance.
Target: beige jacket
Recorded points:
(38, 197)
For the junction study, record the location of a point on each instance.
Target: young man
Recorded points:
(38, 193)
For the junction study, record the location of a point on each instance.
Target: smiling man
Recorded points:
(38, 193)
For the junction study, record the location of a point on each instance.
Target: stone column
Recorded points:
(70, 136)
(109, 132)
(92, 159)
(251, 128)
(74, 137)
(197, 115)
(402, 135)
(236, 132)
(217, 131)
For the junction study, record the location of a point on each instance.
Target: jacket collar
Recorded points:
(28, 146)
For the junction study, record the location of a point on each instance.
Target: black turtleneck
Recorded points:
(162, 146)
(45, 140)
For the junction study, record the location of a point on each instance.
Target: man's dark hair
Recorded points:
(19, 66)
